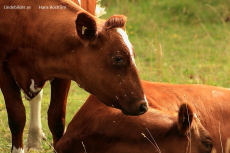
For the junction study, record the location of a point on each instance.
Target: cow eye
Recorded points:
(117, 58)
(208, 145)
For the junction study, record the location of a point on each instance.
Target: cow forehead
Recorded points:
(127, 43)
(126, 40)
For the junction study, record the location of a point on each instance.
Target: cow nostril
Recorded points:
(143, 108)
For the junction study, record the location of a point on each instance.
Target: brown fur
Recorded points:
(210, 103)
(188, 111)
(117, 21)
(104, 129)
(42, 44)
(60, 89)
(88, 5)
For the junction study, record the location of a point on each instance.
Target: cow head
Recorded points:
(192, 136)
(93, 52)
(107, 68)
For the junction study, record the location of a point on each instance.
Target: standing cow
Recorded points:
(59, 90)
(57, 38)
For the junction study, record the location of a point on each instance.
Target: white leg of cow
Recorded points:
(35, 134)
(19, 150)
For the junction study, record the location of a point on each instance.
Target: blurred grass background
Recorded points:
(175, 41)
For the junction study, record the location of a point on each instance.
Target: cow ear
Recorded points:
(86, 26)
(185, 118)
(116, 21)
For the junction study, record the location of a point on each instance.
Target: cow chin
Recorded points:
(126, 113)
(137, 108)
(133, 105)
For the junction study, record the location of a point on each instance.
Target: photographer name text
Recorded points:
(52, 7)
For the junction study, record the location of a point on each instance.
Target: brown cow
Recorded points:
(57, 38)
(60, 88)
(104, 129)
(210, 103)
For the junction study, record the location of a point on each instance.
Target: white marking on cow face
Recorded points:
(32, 87)
(127, 43)
(19, 150)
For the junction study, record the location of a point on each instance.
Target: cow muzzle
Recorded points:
(139, 108)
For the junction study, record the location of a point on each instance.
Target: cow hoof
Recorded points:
(33, 145)
(31, 149)
(34, 141)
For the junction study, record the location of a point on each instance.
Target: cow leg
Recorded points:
(15, 110)
(57, 108)
(35, 134)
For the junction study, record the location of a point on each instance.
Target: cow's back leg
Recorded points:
(15, 109)
(35, 134)
(57, 108)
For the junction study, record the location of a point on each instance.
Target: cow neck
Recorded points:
(50, 46)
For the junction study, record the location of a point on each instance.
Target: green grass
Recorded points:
(175, 41)
(179, 41)
(76, 98)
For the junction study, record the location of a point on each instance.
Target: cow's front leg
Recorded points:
(15, 111)
(57, 108)
(35, 134)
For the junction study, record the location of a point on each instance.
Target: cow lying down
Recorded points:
(168, 126)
